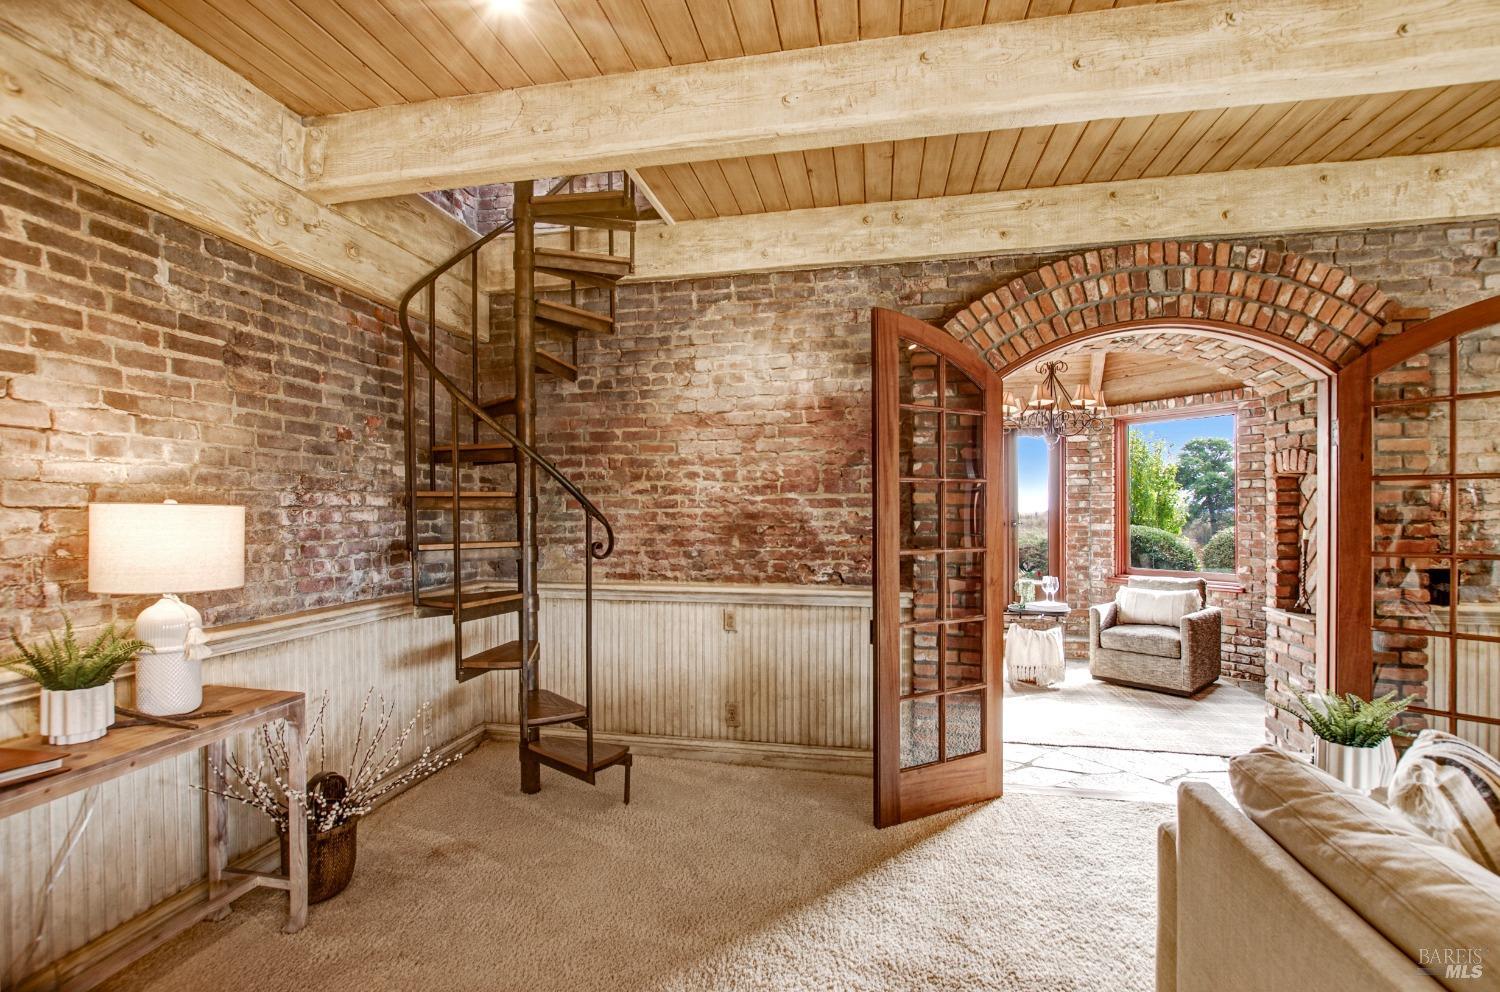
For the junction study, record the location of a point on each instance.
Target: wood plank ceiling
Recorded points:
(1133, 376)
(326, 56)
(1405, 123)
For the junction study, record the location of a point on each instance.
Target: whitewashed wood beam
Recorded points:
(1156, 59)
(651, 197)
(1448, 186)
(104, 91)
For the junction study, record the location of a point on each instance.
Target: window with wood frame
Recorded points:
(1037, 472)
(1175, 493)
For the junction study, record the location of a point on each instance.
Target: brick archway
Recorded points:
(1321, 312)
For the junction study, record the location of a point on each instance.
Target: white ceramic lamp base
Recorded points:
(169, 678)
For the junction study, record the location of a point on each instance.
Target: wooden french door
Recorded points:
(939, 555)
(1418, 576)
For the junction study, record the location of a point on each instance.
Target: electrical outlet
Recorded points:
(731, 714)
(729, 621)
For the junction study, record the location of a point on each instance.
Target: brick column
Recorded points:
(1292, 464)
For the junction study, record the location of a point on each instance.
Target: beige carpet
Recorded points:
(716, 877)
(1223, 719)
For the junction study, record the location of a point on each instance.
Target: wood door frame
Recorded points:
(1354, 479)
(1057, 514)
(901, 795)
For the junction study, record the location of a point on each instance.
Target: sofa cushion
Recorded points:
(1427, 899)
(1450, 788)
(1143, 638)
(1155, 606)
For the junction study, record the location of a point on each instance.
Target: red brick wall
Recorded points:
(141, 359)
(725, 425)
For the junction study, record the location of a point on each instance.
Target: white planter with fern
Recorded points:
(77, 682)
(1362, 768)
(1353, 736)
(73, 716)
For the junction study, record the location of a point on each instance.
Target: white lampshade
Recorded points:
(165, 547)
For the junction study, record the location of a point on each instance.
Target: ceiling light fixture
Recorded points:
(1054, 412)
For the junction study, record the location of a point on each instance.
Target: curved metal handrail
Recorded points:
(597, 549)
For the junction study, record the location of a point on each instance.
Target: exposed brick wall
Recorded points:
(725, 426)
(1091, 483)
(1291, 666)
(142, 359)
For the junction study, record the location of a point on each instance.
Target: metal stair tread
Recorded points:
(599, 263)
(465, 494)
(544, 706)
(573, 752)
(547, 362)
(443, 598)
(469, 545)
(484, 451)
(573, 318)
(502, 657)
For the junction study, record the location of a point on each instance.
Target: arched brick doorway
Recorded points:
(1260, 309)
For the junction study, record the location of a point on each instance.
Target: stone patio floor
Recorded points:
(1110, 773)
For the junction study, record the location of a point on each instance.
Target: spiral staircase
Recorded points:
(473, 473)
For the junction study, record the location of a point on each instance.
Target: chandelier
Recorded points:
(1054, 412)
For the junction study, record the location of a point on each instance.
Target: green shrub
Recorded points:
(1218, 553)
(1032, 548)
(1152, 547)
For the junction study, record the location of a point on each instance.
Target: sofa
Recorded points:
(1346, 895)
(1180, 659)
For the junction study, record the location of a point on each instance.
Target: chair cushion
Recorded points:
(1143, 638)
(1425, 898)
(1155, 606)
(1450, 788)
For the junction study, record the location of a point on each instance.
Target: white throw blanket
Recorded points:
(1034, 655)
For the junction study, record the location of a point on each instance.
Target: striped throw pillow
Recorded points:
(1450, 788)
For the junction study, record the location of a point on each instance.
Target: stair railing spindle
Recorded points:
(588, 637)
(456, 529)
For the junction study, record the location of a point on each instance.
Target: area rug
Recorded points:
(715, 877)
(1081, 711)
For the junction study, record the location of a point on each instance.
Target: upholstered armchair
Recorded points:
(1180, 659)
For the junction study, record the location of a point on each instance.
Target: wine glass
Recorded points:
(1049, 587)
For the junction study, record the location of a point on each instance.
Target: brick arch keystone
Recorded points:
(1321, 310)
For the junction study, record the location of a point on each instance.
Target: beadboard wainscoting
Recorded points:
(144, 842)
(761, 674)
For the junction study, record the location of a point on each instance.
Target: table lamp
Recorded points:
(166, 549)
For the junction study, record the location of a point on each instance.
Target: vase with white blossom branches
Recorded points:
(334, 800)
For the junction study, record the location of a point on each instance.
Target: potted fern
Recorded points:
(1354, 735)
(77, 682)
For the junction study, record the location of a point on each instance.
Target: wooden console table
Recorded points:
(129, 749)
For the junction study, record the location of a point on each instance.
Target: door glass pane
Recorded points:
(1479, 434)
(965, 584)
(919, 579)
(1486, 735)
(1478, 679)
(1479, 516)
(963, 730)
(963, 515)
(1479, 360)
(1412, 664)
(920, 527)
(1412, 593)
(919, 731)
(1411, 517)
(917, 374)
(961, 392)
(963, 458)
(919, 660)
(963, 655)
(1411, 439)
(1479, 598)
(1420, 376)
(919, 445)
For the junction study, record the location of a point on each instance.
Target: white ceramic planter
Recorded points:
(77, 715)
(1362, 768)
